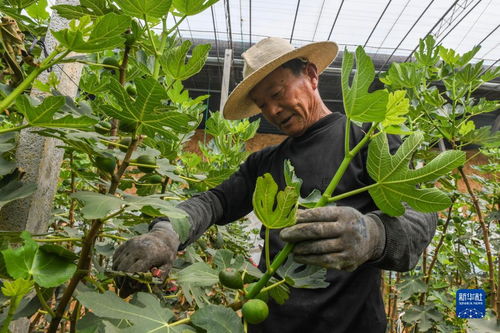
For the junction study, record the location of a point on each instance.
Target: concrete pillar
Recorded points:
(39, 157)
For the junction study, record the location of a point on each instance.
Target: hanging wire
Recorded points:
(488, 35)
(189, 29)
(406, 35)
(335, 21)
(227, 12)
(392, 27)
(474, 24)
(453, 28)
(294, 20)
(378, 21)
(241, 24)
(494, 47)
(319, 17)
(216, 41)
(250, 21)
(493, 64)
(433, 27)
(177, 28)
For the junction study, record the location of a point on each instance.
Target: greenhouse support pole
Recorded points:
(224, 91)
(39, 158)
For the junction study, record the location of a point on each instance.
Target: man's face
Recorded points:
(288, 101)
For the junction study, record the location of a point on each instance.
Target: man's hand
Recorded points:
(157, 248)
(335, 237)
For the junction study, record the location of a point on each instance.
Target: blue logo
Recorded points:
(471, 303)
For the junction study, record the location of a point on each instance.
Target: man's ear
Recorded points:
(312, 72)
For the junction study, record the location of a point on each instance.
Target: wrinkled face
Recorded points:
(288, 101)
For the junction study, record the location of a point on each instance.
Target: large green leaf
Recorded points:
(193, 279)
(14, 190)
(303, 276)
(97, 205)
(174, 61)
(411, 285)
(47, 269)
(20, 4)
(148, 111)
(165, 207)
(274, 211)
(396, 183)
(147, 316)
(424, 315)
(225, 258)
(141, 8)
(217, 319)
(38, 10)
(43, 115)
(359, 104)
(92, 8)
(397, 106)
(191, 7)
(17, 288)
(404, 75)
(107, 33)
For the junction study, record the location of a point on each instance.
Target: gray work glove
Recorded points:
(335, 237)
(157, 248)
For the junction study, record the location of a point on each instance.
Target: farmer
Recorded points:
(353, 240)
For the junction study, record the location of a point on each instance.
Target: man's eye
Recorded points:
(277, 94)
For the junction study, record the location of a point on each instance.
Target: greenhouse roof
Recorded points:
(385, 27)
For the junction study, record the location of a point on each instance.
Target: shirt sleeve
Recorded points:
(406, 237)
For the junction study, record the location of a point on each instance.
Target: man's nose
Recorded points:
(272, 109)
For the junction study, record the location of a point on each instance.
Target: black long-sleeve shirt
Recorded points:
(352, 302)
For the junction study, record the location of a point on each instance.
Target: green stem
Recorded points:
(274, 285)
(13, 129)
(26, 83)
(266, 246)
(150, 35)
(56, 240)
(347, 135)
(14, 303)
(277, 262)
(343, 167)
(350, 193)
(180, 322)
(43, 302)
(176, 25)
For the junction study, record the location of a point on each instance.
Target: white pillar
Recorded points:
(224, 91)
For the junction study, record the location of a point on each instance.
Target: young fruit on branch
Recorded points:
(106, 163)
(110, 61)
(231, 278)
(103, 127)
(255, 311)
(127, 126)
(147, 160)
(125, 142)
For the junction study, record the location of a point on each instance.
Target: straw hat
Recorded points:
(264, 57)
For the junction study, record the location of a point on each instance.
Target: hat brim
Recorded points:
(239, 105)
